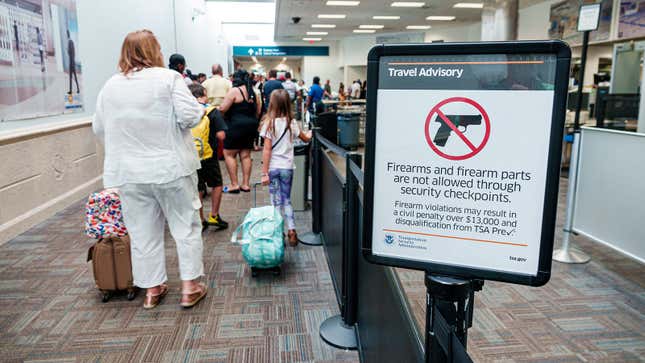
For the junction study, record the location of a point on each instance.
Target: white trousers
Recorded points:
(145, 209)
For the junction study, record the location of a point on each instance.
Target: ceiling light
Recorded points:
(418, 27)
(364, 31)
(386, 17)
(372, 26)
(317, 33)
(331, 16)
(325, 26)
(342, 3)
(441, 18)
(408, 4)
(312, 39)
(469, 5)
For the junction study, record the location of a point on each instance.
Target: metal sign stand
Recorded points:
(568, 254)
(449, 309)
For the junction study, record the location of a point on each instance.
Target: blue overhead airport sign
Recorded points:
(279, 51)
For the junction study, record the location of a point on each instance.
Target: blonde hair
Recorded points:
(279, 106)
(140, 50)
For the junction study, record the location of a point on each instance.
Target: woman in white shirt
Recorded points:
(143, 116)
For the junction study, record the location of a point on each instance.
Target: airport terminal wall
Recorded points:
(44, 169)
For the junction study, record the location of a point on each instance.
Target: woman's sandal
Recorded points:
(245, 190)
(151, 301)
(228, 190)
(188, 300)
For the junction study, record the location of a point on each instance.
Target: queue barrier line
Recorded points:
(356, 170)
(330, 145)
(455, 237)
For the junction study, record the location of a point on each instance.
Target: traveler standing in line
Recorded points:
(242, 109)
(363, 93)
(269, 86)
(217, 86)
(290, 86)
(356, 89)
(201, 78)
(279, 129)
(341, 92)
(208, 133)
(177, 62)
(71, 53)
(302, 88)
(315, 96)
(258, 141)
(327, 88)
(143, 117)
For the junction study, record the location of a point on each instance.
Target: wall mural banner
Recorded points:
(40, 73)
(631, 23)
(564, 21)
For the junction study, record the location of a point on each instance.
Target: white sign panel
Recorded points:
(589, 17)
(461, 160)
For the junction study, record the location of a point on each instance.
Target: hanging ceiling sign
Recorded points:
(280, 51)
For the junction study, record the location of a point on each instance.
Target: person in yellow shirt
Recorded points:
(210, 131)
(217, 86)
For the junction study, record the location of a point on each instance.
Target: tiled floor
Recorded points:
(50, 310)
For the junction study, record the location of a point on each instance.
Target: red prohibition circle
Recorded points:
(436, 108)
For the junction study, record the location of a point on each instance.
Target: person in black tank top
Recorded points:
(241, 110)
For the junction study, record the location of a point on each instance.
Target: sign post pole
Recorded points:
(449, 304)
(568, 254)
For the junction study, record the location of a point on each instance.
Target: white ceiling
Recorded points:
(308, 11)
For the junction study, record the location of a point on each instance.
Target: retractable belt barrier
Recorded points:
(449, 302)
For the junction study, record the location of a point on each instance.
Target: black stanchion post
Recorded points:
(313, 238)
(351, 248)
(339, 330)
(453, 299)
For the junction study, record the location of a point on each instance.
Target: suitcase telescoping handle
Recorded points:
(255, 194)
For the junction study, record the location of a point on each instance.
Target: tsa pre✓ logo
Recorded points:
(389, 239)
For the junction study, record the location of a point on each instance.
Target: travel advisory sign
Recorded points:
(463, 157)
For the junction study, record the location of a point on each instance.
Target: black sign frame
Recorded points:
(563, 57)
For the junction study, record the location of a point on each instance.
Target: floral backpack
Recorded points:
(103, 216)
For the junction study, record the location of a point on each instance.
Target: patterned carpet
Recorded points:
(587, 313)
(50, 310)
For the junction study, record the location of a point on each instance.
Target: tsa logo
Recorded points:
(389, 239)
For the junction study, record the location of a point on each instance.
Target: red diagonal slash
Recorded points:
(456, 130)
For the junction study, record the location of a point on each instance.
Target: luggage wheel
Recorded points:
(106, 296)
(276, 271)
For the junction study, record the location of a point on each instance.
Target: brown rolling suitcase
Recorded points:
(112, 266)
